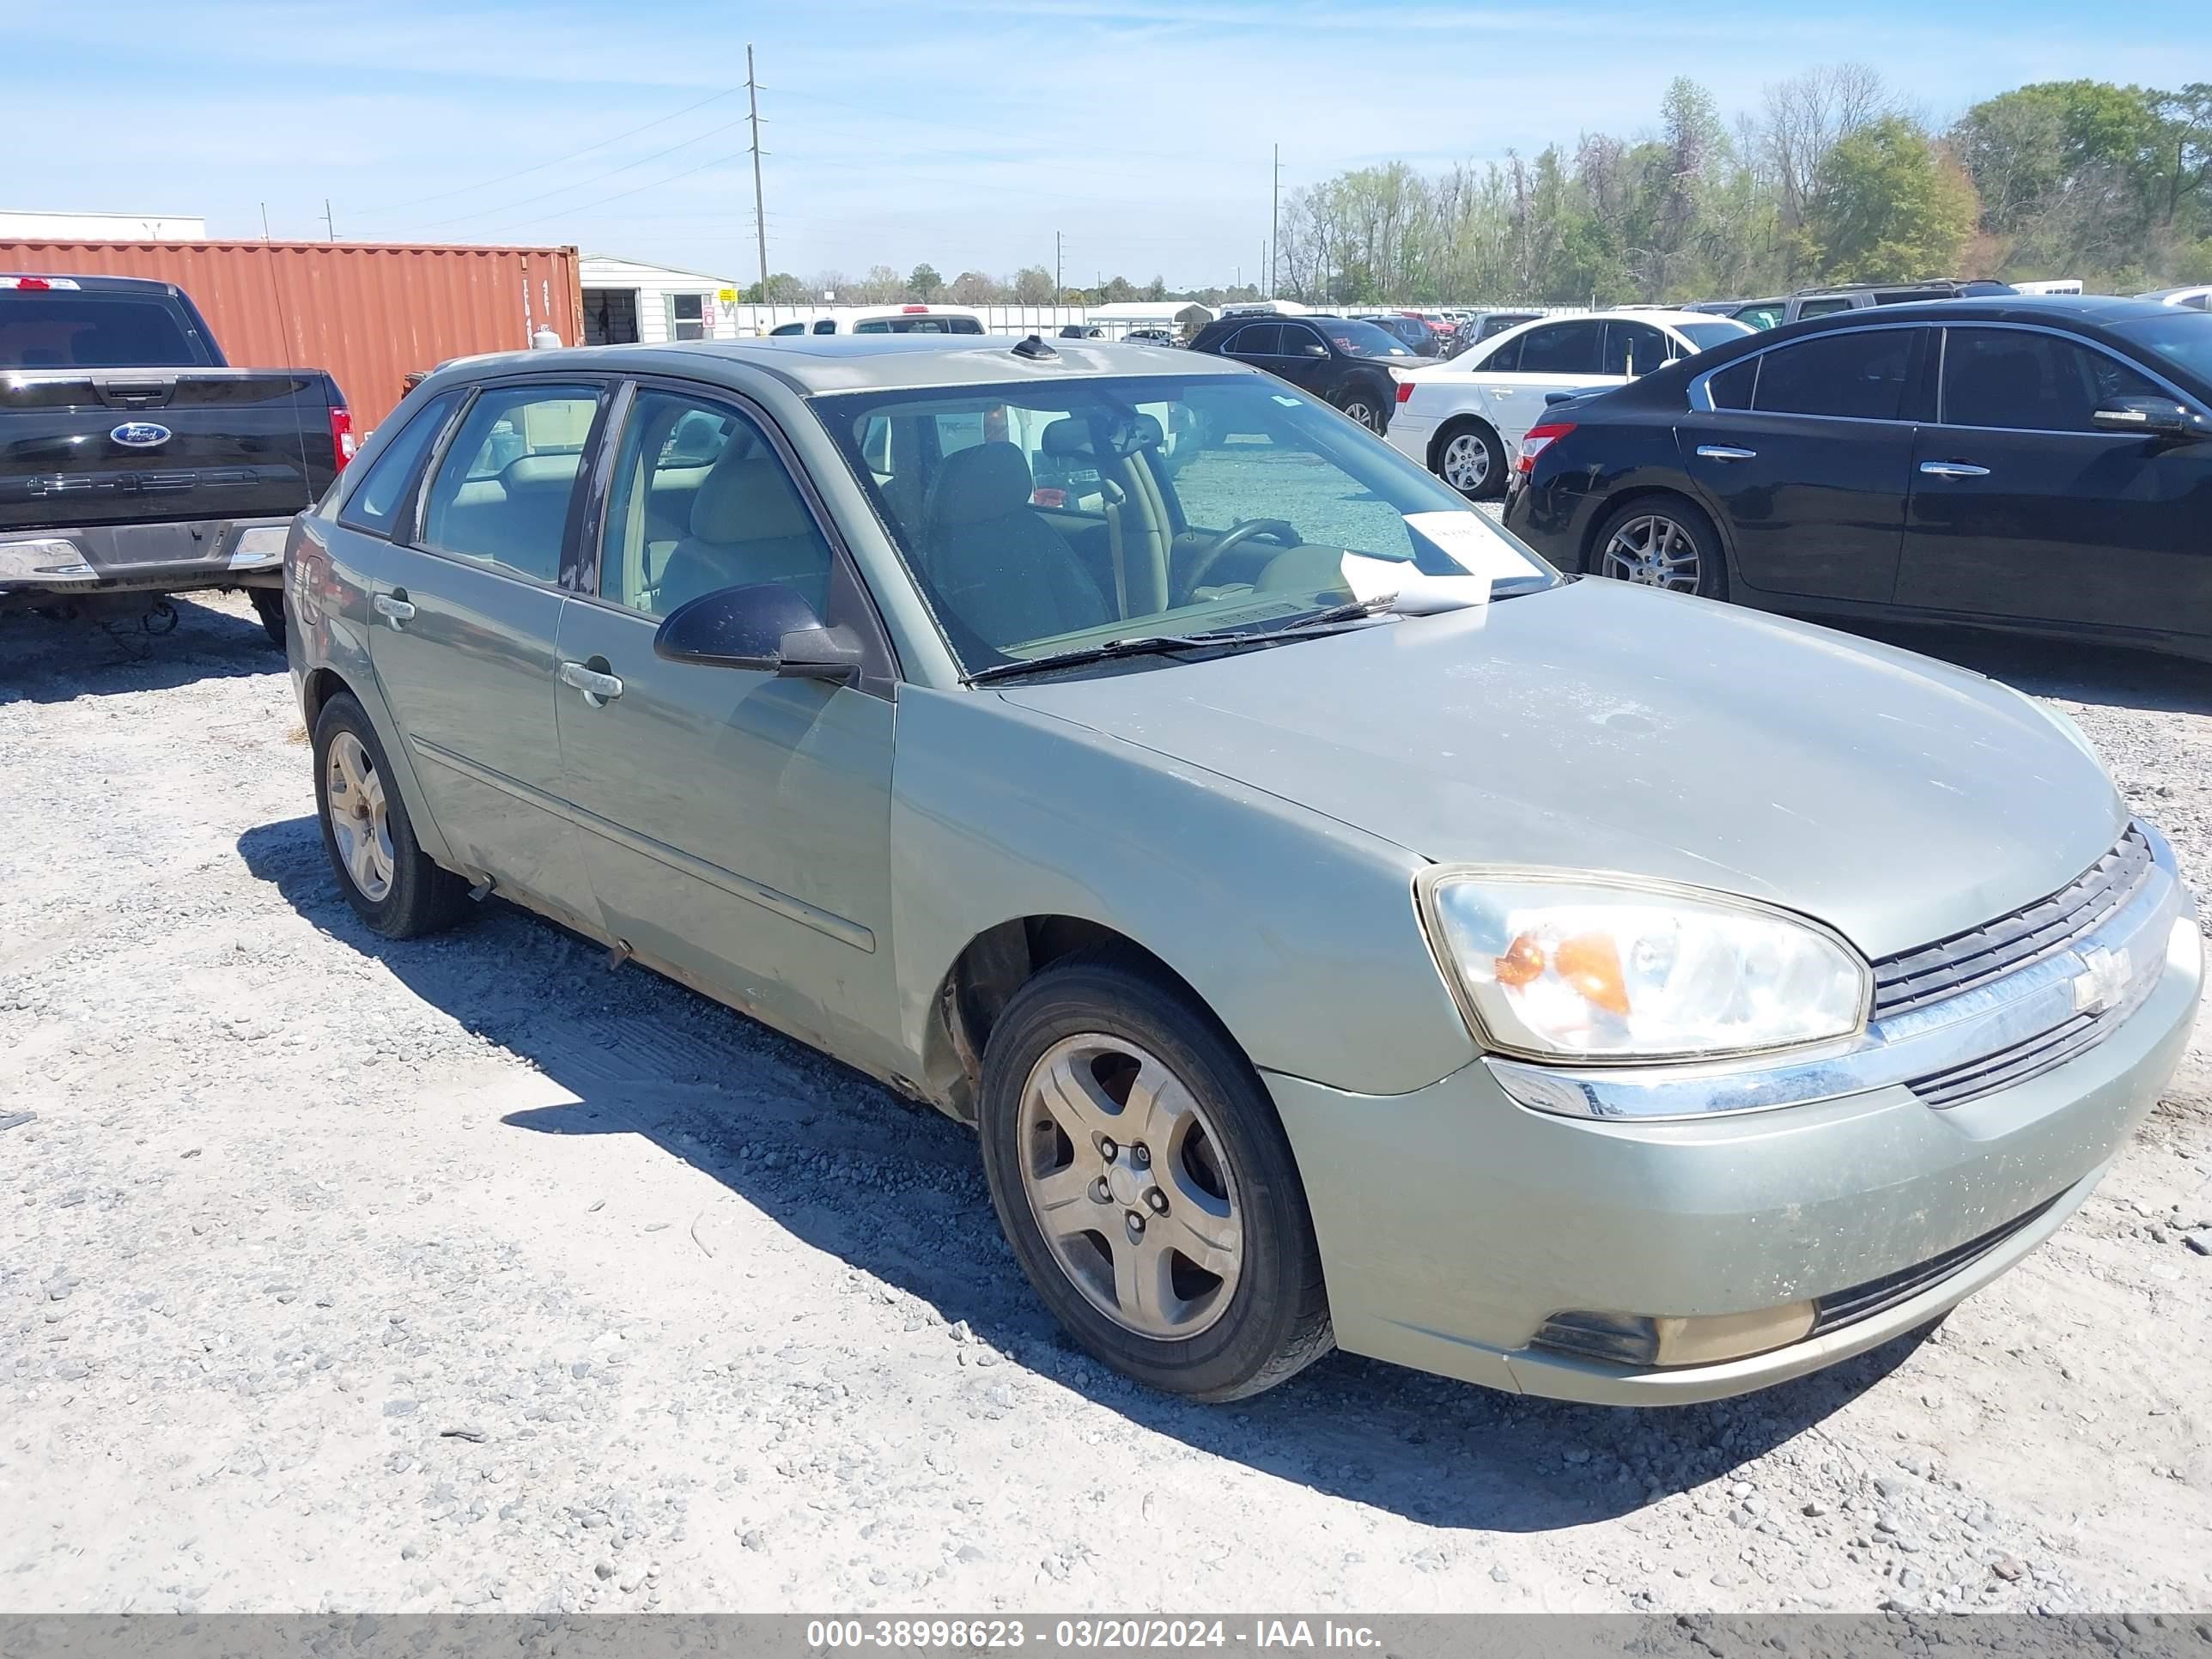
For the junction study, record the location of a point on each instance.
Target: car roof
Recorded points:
(2094, 310)
(1622, 314)
(812, 364)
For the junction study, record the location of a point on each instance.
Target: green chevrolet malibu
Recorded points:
(1340, 929)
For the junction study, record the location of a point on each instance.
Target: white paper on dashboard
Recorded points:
(1413, 592)
(1469, 537)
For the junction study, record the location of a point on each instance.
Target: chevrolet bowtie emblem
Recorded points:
(2103, 982)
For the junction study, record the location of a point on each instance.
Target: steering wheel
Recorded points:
(1275, 530)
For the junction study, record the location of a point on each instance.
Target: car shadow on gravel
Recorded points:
(2058, 668)
(46, 659)
(896, 1191)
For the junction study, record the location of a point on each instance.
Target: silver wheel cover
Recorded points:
(1652, 551)
(1467, 462)
(353, 794)
(1130, 1187)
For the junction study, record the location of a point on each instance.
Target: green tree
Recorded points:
(1033, 286)
(924, 283)
(1889, 206)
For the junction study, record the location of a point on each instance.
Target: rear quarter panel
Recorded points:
(1604, 461)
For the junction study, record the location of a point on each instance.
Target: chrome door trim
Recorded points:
(1726, 453)
(1953, 469)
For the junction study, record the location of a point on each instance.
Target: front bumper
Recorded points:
(47, 566)
(1454, 1221)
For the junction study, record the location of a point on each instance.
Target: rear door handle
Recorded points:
(1726, 453)
(1953, 469)
(599, 690)
(393, 608)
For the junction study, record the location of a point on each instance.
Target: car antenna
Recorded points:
(1035, 349)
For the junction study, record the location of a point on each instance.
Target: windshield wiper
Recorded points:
(1147, 644)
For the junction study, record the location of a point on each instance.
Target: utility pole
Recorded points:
(1275, 223)
(265, 222)
(1057, 290)
(760, 214)
(329, 223)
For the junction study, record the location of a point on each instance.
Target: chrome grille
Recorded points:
(1913, 979)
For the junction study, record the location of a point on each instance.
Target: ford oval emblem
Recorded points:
(140, 435)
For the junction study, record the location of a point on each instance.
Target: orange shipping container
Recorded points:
(369, 313)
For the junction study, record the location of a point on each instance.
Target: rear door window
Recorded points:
(375, 502)
(1856, 374)
(1256, 340)
(1562, 349)
(504, 492)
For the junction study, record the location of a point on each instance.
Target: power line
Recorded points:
(620, 195)
(582, 183)
(539, 166)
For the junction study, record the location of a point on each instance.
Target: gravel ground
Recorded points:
(465, 1273)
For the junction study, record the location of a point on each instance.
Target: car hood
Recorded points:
(1600, 727)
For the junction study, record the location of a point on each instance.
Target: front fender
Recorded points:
(1298, 931)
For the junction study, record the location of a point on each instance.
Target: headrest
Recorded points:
(982, 481)
(746, 498)
(1068, 435)
(539, 471)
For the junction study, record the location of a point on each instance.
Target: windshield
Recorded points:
(1717, 332)
(1038, 520)
(1357, 338)
(2184, 339)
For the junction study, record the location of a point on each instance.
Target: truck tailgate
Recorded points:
(147, 446)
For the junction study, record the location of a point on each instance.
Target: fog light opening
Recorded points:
(1675, 1340)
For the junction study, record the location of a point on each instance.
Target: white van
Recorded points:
(890, 319)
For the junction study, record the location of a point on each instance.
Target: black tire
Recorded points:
(1690, 525)
(1275, 1320)
(422, 897)
(1492, 483)
(269, 605)
(1365, 405)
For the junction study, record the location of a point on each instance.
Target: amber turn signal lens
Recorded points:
(1591, 964)
(1521, 964)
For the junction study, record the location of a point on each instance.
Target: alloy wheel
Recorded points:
(354, 798)
(1124, 1175)
(1364, 413)
(1652, 551)
(1466, 463)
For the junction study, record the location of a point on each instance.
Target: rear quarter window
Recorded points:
(375, 502)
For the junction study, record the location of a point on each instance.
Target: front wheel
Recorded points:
(1145, 1184)
(1662, 541)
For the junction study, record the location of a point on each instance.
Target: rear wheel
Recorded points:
(1470, 459)
(1662, 541)
(386, 875)
(1364, 406)
(1144, 1185)
(269, 605)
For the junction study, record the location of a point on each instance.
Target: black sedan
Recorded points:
(1346, 361)
(2035, 464)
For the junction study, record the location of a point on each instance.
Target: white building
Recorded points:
(628, 302)
(25, 226)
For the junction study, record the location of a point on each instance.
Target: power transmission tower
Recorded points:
(760, 214)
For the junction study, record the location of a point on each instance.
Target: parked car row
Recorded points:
(2034, 463)
(1236, 831)
(1348, 362)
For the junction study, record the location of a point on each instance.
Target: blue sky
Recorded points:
(963, 132)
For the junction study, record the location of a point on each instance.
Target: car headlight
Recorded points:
(1563, 966)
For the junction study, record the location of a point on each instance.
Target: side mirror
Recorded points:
(766, 627)
(1314, 348)
(2153, 417)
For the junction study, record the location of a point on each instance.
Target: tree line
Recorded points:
(1832, 178)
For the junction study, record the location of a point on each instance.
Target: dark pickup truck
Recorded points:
(136, 462)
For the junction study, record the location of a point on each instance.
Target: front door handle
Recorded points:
(393, 607)
(599, 688)
(1953, 469)
(1726, 453)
